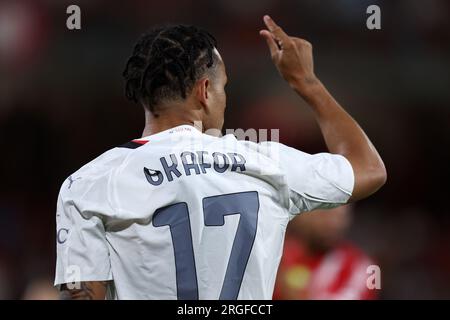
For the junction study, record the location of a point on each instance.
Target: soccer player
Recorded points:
(180, 214)
(318, 261)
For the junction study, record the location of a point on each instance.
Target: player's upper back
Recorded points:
(182, 163)
(187, 215)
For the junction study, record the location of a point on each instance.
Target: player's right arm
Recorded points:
(89, 290)
(83, 269)
(294, 60)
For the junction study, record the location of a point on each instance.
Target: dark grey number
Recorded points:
(215, 208)
(176, 216)
(247, 205)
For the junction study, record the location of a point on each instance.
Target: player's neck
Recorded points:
(164, 122)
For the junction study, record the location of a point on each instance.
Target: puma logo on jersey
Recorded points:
(72, 180)
(199, 162)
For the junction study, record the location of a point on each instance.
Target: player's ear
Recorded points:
(202, 91)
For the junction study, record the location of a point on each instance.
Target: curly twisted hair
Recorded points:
(166, 62)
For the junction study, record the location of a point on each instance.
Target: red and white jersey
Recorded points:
(185, 215)
(338, 274)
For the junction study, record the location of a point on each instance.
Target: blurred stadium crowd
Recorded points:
(62, 104)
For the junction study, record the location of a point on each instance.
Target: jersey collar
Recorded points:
(181, 129)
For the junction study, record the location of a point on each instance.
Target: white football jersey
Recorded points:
(185, 215)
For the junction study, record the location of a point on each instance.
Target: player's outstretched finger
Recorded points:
(275, 29)
(273, 47)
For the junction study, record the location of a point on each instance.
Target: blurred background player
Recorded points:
(319, 262)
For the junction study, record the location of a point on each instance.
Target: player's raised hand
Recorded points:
(292, 56)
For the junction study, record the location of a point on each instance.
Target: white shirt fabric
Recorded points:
(185, 215)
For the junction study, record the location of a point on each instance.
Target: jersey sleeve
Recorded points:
(315, 181)
(82, 249)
